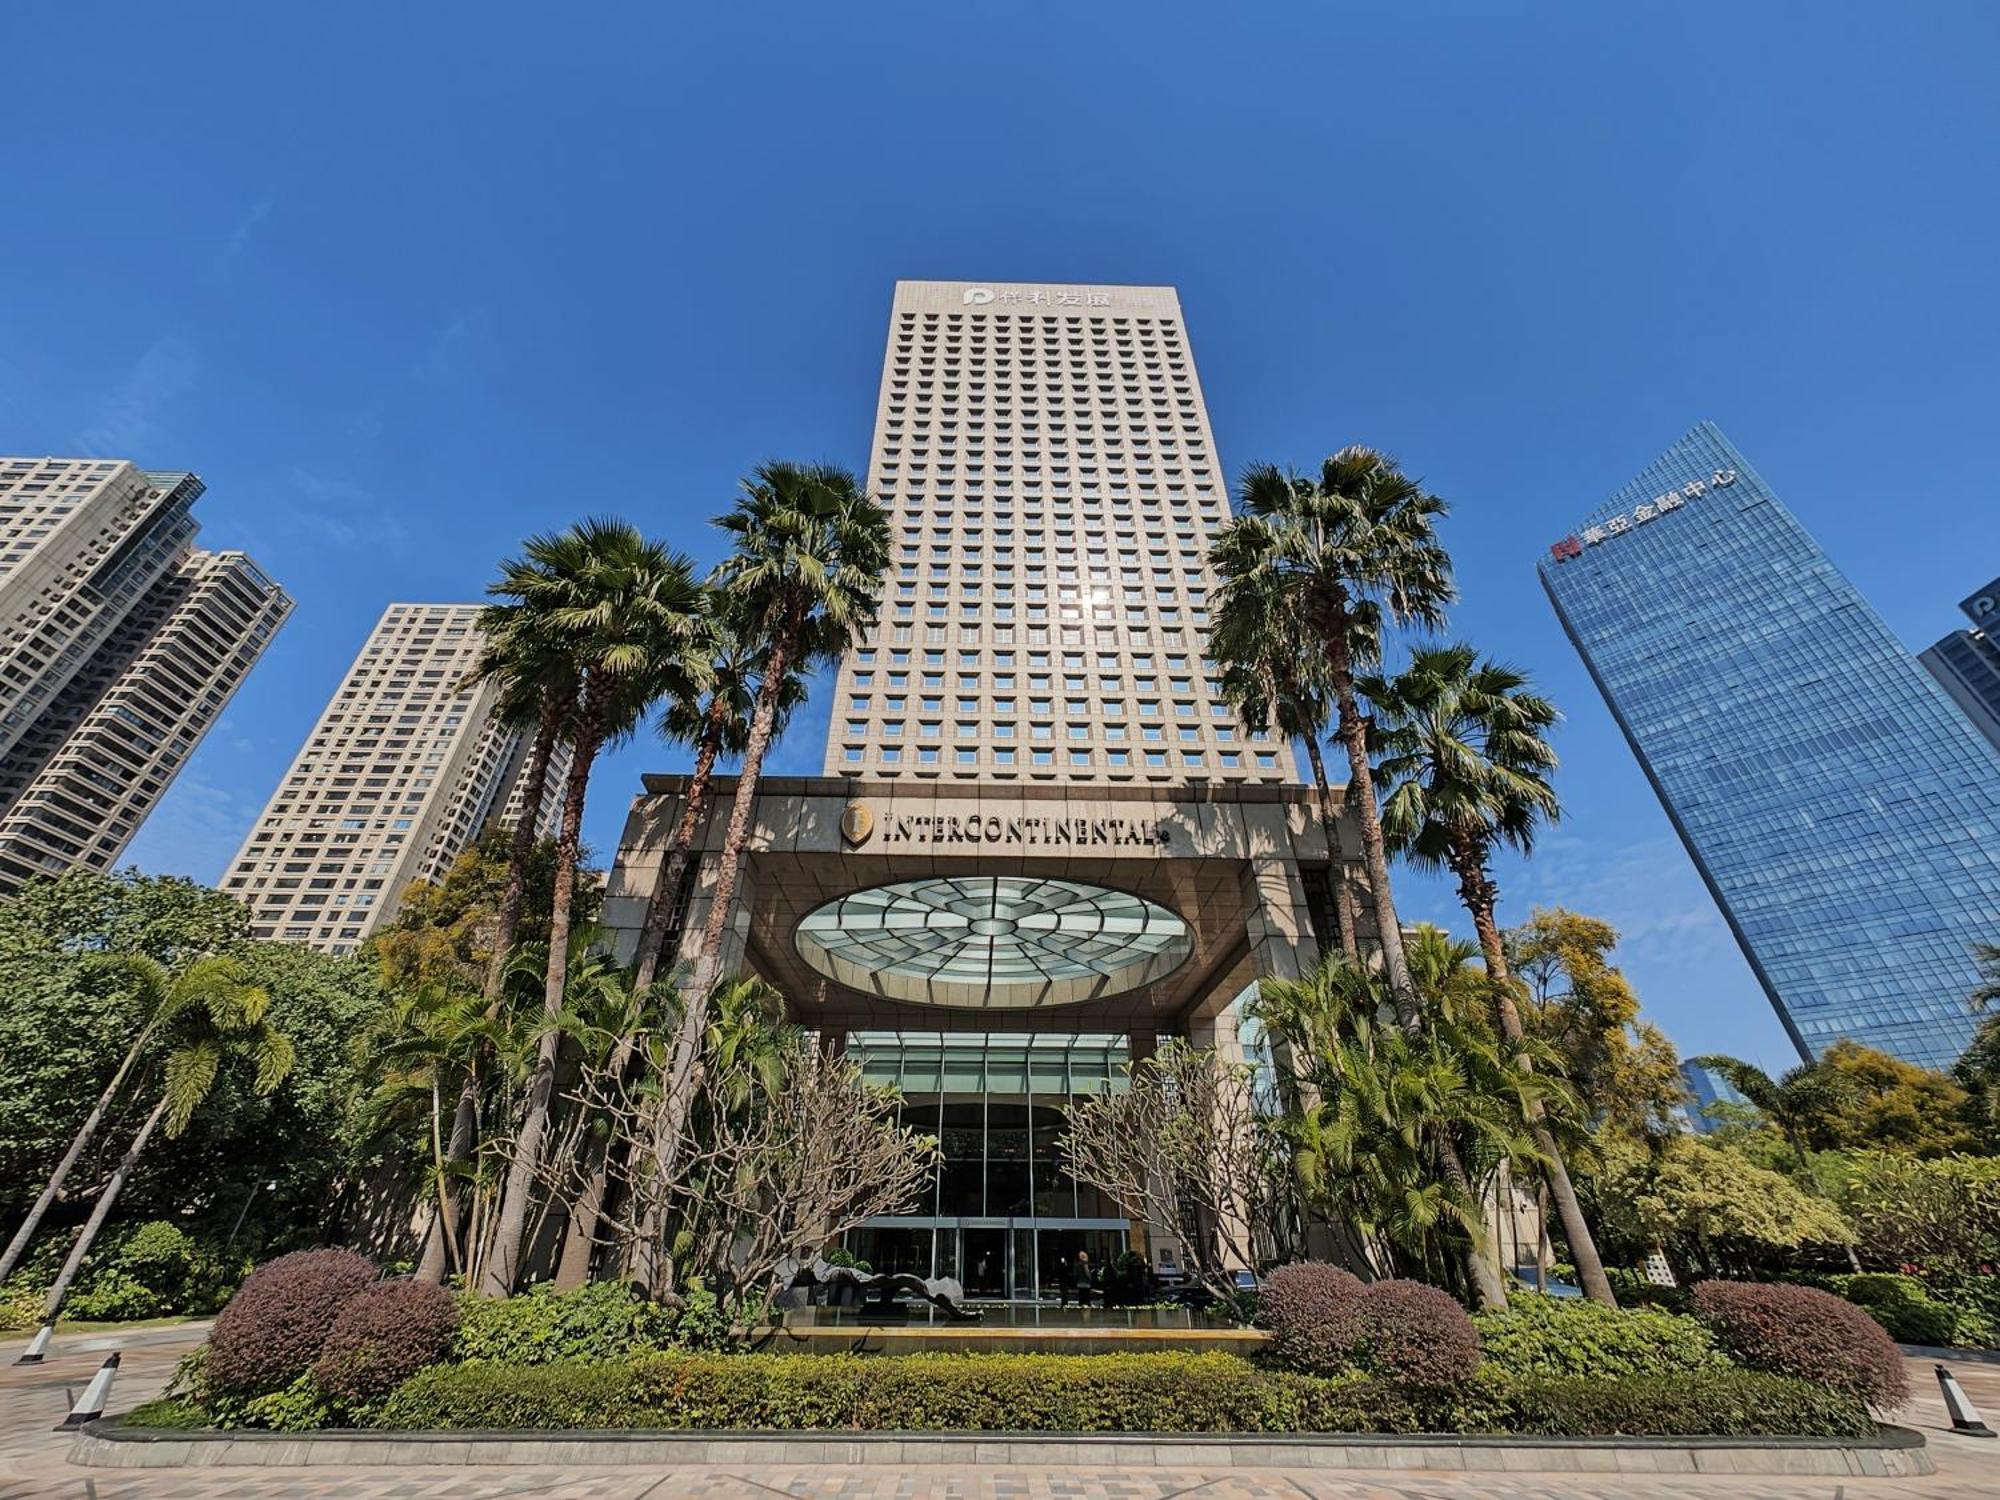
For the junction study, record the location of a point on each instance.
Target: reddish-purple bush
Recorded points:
(1310, 1309)
(385, 1334)
(273, 1328)
(1415, 1336)
(1807, 1333)
(1324, 1321)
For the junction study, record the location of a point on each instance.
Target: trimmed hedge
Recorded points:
(1805, 1333)
(1085, 1393)
(1546, 1336)
(384, 1335)
(274, 1327)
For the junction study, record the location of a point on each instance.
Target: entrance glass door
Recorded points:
(985, 1263)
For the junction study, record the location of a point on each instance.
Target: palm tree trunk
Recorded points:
(1486, 1282)
(652, 937)
(434, 1266)
(59, 1293)
(1343, 901)
(24, 1236)
(439, 1244)
(1374, 851)
(1477, 893)
(503, 1264)
(679, 1093)
(514, 893)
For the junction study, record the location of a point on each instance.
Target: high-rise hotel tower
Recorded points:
(1844, 814)
(405, 768)
(120, 645)
(1046, 457)
(1043, 841)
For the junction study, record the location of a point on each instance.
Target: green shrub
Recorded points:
(599, 1320)
(1545, 1336)
(1802, 1332)
(918, 1392)
(20, 1307)
(1903, 1306)
(112, 1296)
(174, 1412)
(1713, 1403)
(385, 1334)
(274, 1326)
(1087, 1393)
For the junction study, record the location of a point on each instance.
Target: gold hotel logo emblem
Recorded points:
(857, 821)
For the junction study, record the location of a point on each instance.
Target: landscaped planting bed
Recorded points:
(311, 1347)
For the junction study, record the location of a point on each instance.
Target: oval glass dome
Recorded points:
(1009, 942)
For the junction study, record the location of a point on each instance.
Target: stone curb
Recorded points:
(1896, 1452)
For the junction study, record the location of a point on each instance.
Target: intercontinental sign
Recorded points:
(858, 823)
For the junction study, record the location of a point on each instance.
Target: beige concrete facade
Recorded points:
(1045, 453)
(120, 645)
(405, 768)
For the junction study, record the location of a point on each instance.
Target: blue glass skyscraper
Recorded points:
(1844, 814)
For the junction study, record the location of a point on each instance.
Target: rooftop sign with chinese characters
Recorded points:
(1659, 505)
(980, 296)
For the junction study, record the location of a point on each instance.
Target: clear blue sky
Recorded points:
(407, 282)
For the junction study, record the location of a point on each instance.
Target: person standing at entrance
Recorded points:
(1076, 1277)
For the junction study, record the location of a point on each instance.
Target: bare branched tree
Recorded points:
(774, 1163)
(1185, 1145)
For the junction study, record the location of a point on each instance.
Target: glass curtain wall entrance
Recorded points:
(1004, 1216)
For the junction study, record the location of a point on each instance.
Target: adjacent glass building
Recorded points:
(1844, 814)
(1966, 663)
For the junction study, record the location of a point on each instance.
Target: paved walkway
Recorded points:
(33, 1462)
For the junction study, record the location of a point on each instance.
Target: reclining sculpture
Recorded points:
(880, 1293)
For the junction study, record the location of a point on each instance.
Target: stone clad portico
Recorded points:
(1232, 862)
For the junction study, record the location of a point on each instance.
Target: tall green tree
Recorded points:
(532, 661)
(1385, 1118)
(810, 546)
(1797, 1101)
(1272, 684)
(633, 619)
(1464, 763)
(201, 1017)
(1340, 554)
(717, 726)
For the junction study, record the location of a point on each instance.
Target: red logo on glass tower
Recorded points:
(1567, 548)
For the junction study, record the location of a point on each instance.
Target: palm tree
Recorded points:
(201, 1017)
(1987, 957)
(537, 678)
(1463, 767)
(1266, 679)
(717, 725)
(632, 618)
(432, 1044)
(1338, 555)
(1795, 1101)
(201, 972)
(1386, 1116)
(537, 675)
(810, 550)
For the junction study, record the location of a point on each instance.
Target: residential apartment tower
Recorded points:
(120, 645)
(405, 768)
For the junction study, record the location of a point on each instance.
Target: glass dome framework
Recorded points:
(1000, 942)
